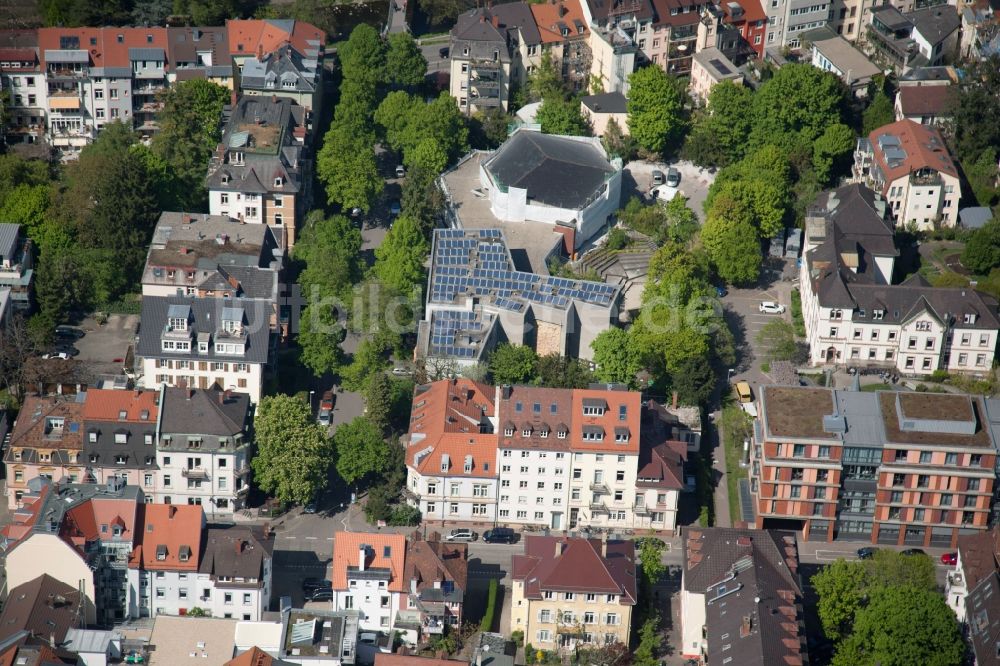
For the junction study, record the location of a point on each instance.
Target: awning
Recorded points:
(64, 102)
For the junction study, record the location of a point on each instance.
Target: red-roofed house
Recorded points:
(435, 577)
(569, 593)
(927, 105)
(909, 164)
(367, 576)
(164, 564)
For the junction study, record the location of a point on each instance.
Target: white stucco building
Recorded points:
(367, 577)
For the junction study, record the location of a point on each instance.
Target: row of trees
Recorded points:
(975, 128)
(887, 610)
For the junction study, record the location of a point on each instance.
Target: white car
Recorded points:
(770, 307)
(401, 371)
(61, 355)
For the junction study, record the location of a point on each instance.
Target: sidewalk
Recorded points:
(721, 495)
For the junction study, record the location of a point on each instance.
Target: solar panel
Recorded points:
(719, 66)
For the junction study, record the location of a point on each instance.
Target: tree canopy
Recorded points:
(654, 108)
(513, 364)
(405, 65)
(360, 450)
(559, 116)
(293, 453)
(794, 107)
(399, 260)
(982, 251)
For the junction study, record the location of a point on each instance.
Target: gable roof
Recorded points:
(33, 430)
(204, 412)
(138, 406)
(559, 171)
(576, 565)
(662, 466)
(430, 562)
(447, 420)
(236, 552)
(256, 657)
(249, 37)
(922, 147)
(756, 572)
(346, 555)
(44, 607)
(926, 100)
(170, 539)
(551, 17)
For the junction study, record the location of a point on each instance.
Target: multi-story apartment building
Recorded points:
(832, 53)
(902, 38)
(205, 342)
(436, 577)
(889, 467)
(565, 38)
(909, 164)
(367, 576)
(788, 19)
(854, 315)
(289, 73)
(569, 592)
(119, 430)
(47, 441)
(976, 570)
(17, 266)
(674, 30)
(182, 565)
(261, 172)
(735, 28)
(203, 449)
(756, 573)
(22, 78)
(563, 458)
(451, 451)
(849, 18)
(80, 534)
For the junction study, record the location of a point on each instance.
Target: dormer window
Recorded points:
(278, 181)
(178, 323)
(148, 439)
(122, 415)
(970, 318)
(225, 181)
(92, 436)
(161, 552)
(468, 464)
(93, 457)
(121, 437)
(445, 463)
(526, 432)
(508, 432)
(561, 434)
(543, 433)
(236, 157)
(878, 314)
(119, 460)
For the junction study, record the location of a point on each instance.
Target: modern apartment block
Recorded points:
(570, 592)
(261, 172)
(203, 449)
(555, 458)
(893, 468)
(17, 266)
(853, 313)
(909, 164)
(741, 598)
(68, 83)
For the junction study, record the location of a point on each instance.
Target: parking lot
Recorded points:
(695, 181)
(746, 321)
(103, 348)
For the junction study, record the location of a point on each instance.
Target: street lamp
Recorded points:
(311, 392)
(729, 375)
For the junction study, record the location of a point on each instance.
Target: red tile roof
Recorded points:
(346, 553)
(96, 518)
(445, 420)
(32, 423)
(107, 50)
(178, 529)
(611, 422)
(925, 100)
(923, 145)
(548, 15)
(681, 18)
(108, 405)
(430, 561)
(256, 36)
(576, 565)
(252, 657)
(382, 659)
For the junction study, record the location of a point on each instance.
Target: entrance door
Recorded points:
(574, 516)
(557, 521)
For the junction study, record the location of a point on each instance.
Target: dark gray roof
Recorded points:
(613, 102)
(44, 606)
(905, 301)
(482, 29)
(601, 10)
(207, 315)
(559, 171)
(982, 613)
(935, 23)
(211, 413)
(752, 592)
(237, 552)
(146, 54)
(105, 452)
(280, 67)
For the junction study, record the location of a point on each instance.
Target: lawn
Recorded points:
(736, 426)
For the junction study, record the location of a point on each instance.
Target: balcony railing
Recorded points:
(598, 487)
(194, 473)
(641, 510)
(598, 506)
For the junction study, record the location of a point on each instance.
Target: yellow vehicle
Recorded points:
(743, 393)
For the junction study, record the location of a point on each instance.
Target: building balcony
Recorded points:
(432, 625)
(641, 510)
(598, 506)
(599, 487)
(194, 473)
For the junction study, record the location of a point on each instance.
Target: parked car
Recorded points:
(326, 401)
(394, 207)
(322, 594)
(356, 212)
(69, 332)
(951, 559)
(309, 508)
(324, 418)
(400, 171)
(743, 393)
(867, 552)
(913, 551)
(500, 535)
(770, 307)
(461, 534)
(400, 371)
(444, 51)
(658, 177)
(61, 355)
(68, 349)
(310, 584)
(673, 177)
(721, 292)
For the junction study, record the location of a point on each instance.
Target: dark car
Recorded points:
(65, 332)
(443, 52)
(322, 594)
(721, 292)
(866, 553)
(913, 551)
(499, 535)
(313, 584)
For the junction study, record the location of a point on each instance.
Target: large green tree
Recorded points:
(560, 116)
(360, 450)
(616, 357)
(190, 128)
(558, 371)
(405, 65)
(346, 165)
(832, 152)
(654, 108)
(794, 107)
(363, 55)
(976, 111)
(982, 251)
(878, 113)
(294, 454)
(719, 134)
(399, 260)
(330, 249)
(513, 364)
(900, 626)
(733, 243)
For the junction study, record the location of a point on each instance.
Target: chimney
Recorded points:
(171, 512)
(274, 99)
(239, 546)
(137, 392)
(675, 400)
(604, 546)
(496, 21)
(362, 556)
(559, 547)
(222, 398)
(190, 393)
(260, 52)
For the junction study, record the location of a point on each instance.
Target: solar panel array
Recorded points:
(448, 325)
(476, 263)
